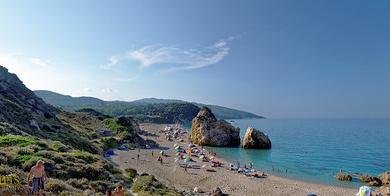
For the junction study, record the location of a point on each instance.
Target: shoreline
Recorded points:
(237, 184)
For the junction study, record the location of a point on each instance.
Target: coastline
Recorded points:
(230, 182)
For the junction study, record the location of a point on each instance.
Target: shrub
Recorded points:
(82, 183)
(109, 143)
(56, 157)
(16, 140)
(131, 173)
(86, 156)
(3, 160)
(59, 147)
(24, 151)
(57, 186)
(30, 161)
(101, 186)
(148, 185)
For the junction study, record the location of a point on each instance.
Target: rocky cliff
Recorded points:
(208, 131)
(28, 114)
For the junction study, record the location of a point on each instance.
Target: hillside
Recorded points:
(70, 143)
(143, 108)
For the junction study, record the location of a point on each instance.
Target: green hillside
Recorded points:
(146, 110)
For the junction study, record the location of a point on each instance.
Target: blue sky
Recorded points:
(280, 59)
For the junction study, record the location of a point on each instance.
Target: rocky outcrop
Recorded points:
(385, 177)
(371, 180)
(343, 177)
(208, 131)
(255, 139)
(28, 114)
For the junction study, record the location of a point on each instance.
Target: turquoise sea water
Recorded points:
(315, 150)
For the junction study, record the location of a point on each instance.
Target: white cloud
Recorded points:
(39, 62)
(180, 58)
(128, 79)
(107, 90)
(17, 59)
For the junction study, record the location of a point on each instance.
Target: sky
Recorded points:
(279, 58)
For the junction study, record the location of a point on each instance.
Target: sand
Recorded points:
(230, 182)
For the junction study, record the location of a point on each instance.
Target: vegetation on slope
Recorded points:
(143, 109)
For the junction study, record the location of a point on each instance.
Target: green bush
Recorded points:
(59, 147)
(57, 186)
(102, 186)
(82, 183)
(86, 156)
(109, 143)
(24, 151)
(131, 173)
(56, 157)
(148, 185)
(16, 140)
(29, 162)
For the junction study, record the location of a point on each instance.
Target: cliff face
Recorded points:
(28, 114)
(208, 131)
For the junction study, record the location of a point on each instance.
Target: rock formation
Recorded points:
(208, 131)
(371, 180)
(343, 177)
(385, 177)
(255, 139)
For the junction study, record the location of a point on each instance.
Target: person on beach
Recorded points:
(118, 191)
(185, 168)
(160, 160)
(137, 156)
(39, 177)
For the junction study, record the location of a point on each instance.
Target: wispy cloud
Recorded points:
(178, 58)
(107, 90)
(17, 59)
(40, 62)
(128, 79)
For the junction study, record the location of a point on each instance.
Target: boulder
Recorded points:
(371, 180)
(255, 139)
(343, 177)
(385, 177)
(208, 131)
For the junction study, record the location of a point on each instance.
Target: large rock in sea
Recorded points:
(256, 139)
(208, 131)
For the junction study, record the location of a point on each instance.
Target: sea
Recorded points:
(315, 150)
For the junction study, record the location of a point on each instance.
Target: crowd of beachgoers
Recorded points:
(196, 169)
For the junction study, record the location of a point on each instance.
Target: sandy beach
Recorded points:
(230, 182)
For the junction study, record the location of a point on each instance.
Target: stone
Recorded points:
(255, 139)
(208, 131)
(343, 177)
(371, 180)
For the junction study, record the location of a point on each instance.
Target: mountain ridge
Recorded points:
(71, 103)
